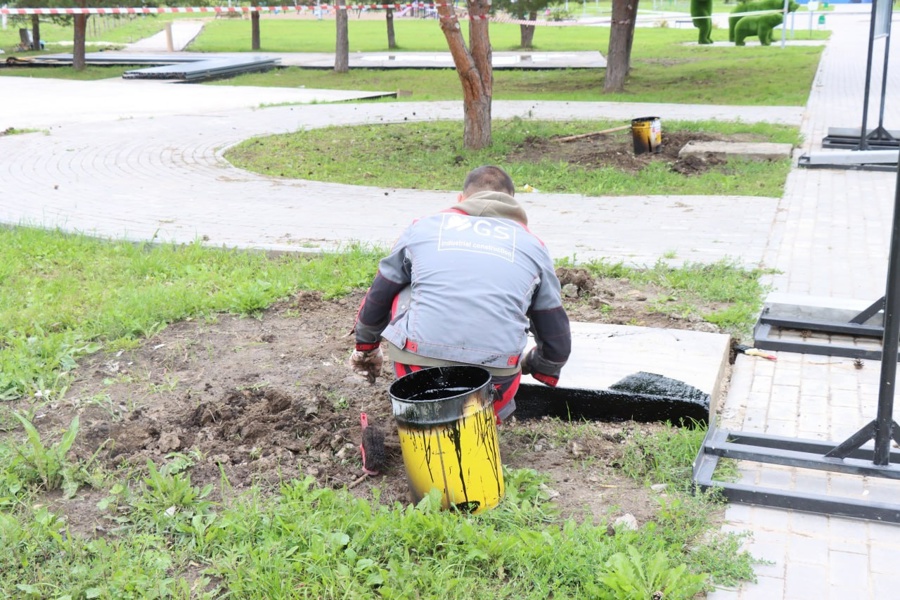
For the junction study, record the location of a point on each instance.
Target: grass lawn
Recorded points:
(433, 159)
(668, 66)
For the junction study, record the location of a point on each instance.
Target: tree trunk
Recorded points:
(631, 38)
(78, 63)
(254, 29)
(474, 69)
(389, 16)
(621, 35)
(342, 43)
(35, 32)
(527, 32)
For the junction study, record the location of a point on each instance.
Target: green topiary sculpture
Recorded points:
(755, 6)
(701, 13)
(756, 25)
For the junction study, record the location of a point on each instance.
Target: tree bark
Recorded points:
(35, 32)
(527, 32)
(389, 17)
(474, 69)
(342, 43)
(254, 30)
(78, 62)
(621, 35)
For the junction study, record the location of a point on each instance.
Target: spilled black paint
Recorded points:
(645, 397)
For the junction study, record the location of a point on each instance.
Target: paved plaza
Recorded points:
(143, 160)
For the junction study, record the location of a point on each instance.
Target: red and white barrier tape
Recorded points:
(149, 10)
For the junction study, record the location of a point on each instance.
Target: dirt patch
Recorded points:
(616, 151)
(265, 398)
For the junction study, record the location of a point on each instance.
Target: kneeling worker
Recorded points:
(463, 287)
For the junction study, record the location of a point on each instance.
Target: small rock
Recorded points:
(550, 492)
(706, 327)
(220, 459)
(538, 447)
(597, 302)
(169, 442)
(313, 470)
(570, 290)
(637, 295)
(626, 522)
(294, 445)
(575, 449)
(658, 487)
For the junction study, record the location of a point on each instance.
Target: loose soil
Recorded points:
(266, 398)
(615, 150)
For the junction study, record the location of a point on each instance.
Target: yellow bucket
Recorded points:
(448, 436)
(646, 133)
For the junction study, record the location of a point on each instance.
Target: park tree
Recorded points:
(342, 39)
(389, 19)
(523, 10)
(254, 27)
(621, 38)
(473, 65)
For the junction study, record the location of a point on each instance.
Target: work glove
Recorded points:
(367, 363)
(545, 371)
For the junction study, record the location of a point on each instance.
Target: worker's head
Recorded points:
(487, 179)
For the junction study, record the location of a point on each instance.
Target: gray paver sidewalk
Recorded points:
(119, 176)
(829, 242)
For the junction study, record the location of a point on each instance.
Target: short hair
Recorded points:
(488, 179)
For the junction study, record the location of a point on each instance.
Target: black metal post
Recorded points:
(884, 421)
(863, 144)
(884, 76)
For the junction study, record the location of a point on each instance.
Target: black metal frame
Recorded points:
(879, 137)
(863, 324)
(720, 443)
(846, 457)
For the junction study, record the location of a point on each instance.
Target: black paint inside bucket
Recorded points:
(434, 396)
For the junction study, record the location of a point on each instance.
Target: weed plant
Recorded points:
(44, 464)
(431, 157)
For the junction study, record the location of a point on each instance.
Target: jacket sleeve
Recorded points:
(374, 314)
(550, 324)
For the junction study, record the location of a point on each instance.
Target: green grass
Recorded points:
(167, 540)
(721, 293)
(65, 296)
(89, 73)
(62, 296)
(432, 158)
(106, 29)
(667, 65)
